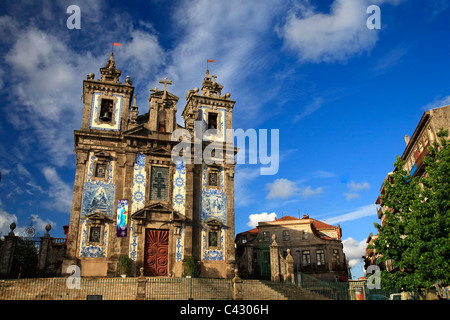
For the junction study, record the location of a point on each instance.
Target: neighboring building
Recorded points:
(415, 152)
(131, 199)
(315, 246)
(417, 146)
(372, 258)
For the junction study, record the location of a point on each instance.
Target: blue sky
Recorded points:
(341, 95)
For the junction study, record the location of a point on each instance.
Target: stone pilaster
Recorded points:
(7, 252)
(74, 225)
(274, 260)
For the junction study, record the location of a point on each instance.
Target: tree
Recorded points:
(416, 232)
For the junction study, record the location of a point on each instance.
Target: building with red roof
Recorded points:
(315, 246)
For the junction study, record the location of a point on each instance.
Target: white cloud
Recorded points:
(281, 188)
(330, 37)
(39, 224)
(234, 34)
(6, 219)
(358, 186)
(437, 103)
(308, 192)
(22, 171)
(59, 191)
(336, 36)
(284, 188)
(350, 196)
(361, 212)
(258, 217)
(354, 250)
(45, 76)
(311, 108)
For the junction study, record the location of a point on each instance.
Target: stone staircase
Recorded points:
(268, 290)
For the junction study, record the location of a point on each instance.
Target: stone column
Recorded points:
(250, 249)
(189, 211)
(237, 286)
(230, 245)
(141, 286)
(128, 194)
(7, 252)
(46, 242)
(274, 260)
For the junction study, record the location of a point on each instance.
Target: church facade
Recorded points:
(132, 197)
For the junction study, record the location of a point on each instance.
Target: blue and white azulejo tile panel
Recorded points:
(87, 250)
(213, 206)
(138, 200)
(98, 196)
(179, 202)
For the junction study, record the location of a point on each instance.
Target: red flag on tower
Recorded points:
(116, 44)
(208, 61)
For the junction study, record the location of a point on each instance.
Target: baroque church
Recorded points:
(130, 198)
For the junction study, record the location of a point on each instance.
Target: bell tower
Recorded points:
(212, 178)
(106, 100)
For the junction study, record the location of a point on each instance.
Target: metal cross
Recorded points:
(159, 185)
(166, 82)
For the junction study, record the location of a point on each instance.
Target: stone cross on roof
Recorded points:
(166, 82)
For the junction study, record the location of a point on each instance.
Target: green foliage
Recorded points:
(190, 266)
(416, 234)
(125, 263)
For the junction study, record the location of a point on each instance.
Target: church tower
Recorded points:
(208, 116)
(131, 198)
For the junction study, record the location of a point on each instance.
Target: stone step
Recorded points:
(293, 292)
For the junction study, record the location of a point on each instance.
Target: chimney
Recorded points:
(305, 216)
(406, 139)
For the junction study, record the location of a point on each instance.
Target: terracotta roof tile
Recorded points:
(322, 225)
(252, 232)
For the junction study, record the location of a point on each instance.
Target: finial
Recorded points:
(134, 101)
(48, 227)
(12, 227)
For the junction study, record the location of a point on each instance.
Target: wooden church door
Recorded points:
(156, 252)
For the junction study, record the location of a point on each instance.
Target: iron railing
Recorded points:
(347, 290)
